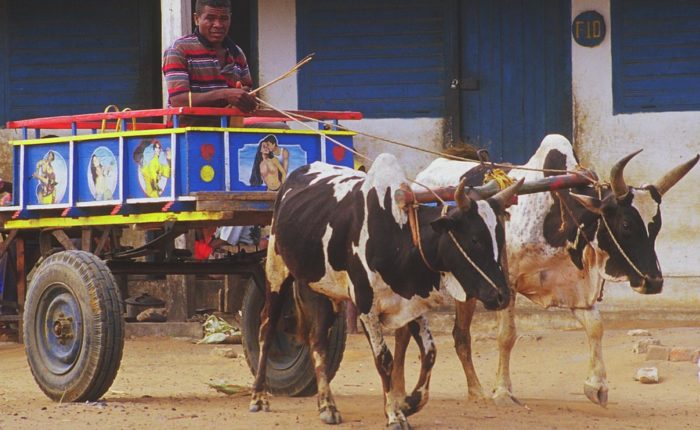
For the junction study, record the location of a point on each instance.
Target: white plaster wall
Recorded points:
(277, 50)
(667, 138)
(176, 21)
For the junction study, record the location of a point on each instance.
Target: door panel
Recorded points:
(515, 74)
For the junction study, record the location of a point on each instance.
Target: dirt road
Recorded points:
(162, 383)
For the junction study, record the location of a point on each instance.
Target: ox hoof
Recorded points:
(478, 396)
(597, 394)
(259, 403)
(413, 403)
(401, 425)
(505, 398)
(330, 415)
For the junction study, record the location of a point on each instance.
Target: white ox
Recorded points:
(561, 247)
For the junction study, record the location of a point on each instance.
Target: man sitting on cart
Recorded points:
(206, 68)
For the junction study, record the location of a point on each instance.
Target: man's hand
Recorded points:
(240, 99)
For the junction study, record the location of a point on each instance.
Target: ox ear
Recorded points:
(442, 224)
(593, 204)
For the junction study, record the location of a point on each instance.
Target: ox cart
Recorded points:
(63, 218)
(73, 196)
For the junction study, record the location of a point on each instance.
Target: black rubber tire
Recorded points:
(82, 364)
(290, 372)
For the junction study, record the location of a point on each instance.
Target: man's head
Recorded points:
(213, 19)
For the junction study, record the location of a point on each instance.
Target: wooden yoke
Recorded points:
(405, 196)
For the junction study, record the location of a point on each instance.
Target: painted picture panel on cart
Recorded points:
(150, 167)
(97, 171)
(266, 163)
(47, 168)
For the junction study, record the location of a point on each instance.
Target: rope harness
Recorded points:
(416, 236)
(580, 232)
(414, 225)
(617, 244)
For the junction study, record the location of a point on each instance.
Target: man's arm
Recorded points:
(235, 97)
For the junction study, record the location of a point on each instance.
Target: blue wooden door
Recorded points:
(514, 83)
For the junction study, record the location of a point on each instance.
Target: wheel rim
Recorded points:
(59, 329)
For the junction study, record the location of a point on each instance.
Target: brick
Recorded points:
(683, 354)
(658, 352)
(647, 375)
(641, 346)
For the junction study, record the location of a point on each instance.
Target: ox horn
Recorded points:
(505, 197)
(664, 184)
(462, 200)
(617, 179)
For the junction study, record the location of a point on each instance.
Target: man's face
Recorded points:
(213, 23)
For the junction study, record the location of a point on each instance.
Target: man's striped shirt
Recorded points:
(191, 64)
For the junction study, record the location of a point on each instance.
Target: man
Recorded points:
(206, 68)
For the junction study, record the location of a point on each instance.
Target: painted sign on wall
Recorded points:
(588, 28)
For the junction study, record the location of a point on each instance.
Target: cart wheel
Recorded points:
(73, 327)
(290, 369)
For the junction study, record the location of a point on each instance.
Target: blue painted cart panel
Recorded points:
(203, 160)
(104, 173)
(336, 154)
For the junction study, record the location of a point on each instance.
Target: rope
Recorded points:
(481, 272)
(501, 178)
(617, 244)
(415, 233)
(429, 151)
(609, 230)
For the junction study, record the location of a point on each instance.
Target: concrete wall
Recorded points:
(668, 138)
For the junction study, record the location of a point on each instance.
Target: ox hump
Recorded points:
(442, 173)
(386, 174)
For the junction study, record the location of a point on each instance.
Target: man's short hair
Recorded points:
(199, 6)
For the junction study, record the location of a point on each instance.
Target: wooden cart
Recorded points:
(74, 194)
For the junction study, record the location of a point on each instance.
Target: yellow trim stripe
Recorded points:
(103, 220)
(98, 136)
(167, 131)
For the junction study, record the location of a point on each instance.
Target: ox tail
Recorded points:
(301, 294)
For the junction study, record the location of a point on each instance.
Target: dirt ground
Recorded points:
(162, 383)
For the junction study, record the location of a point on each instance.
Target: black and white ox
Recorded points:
(561, 247)
(340, 234)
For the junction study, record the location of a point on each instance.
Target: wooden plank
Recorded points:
(86, 239)
(236, 195)
(7, 242)
(257, 202)
(21, 282)
(63, 239)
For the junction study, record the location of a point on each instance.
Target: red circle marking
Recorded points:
(207, 150)
(338, 153)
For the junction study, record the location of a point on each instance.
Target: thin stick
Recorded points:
(287, 74)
